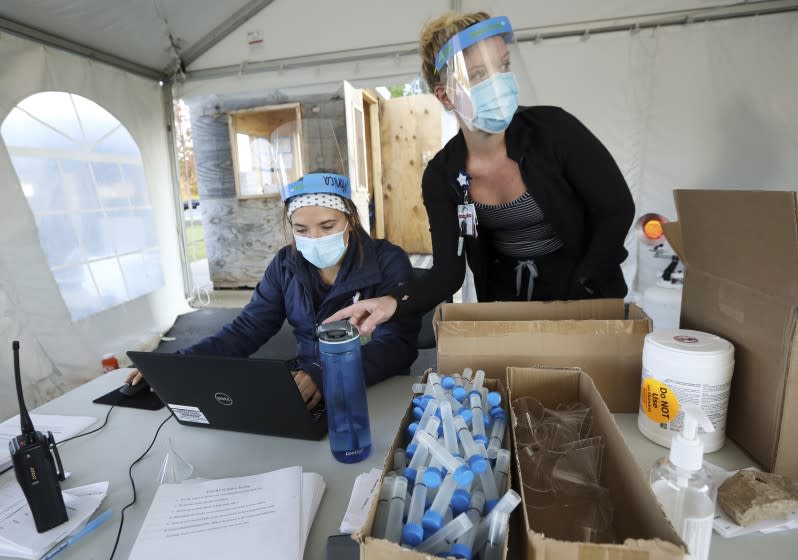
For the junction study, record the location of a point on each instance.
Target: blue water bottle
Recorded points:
(344, 391)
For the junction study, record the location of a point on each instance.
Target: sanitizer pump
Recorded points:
(683, 487)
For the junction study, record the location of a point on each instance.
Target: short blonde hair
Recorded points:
(434, 35)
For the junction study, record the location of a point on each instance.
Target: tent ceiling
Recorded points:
(150, 37)
(142, 33)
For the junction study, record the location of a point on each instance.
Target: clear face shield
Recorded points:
(307, 159)
(476, 68)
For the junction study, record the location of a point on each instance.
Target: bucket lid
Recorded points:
(689, 342)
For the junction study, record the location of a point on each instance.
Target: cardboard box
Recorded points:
(380, 549)
(741, 283)
(638, 521)
(595, 335)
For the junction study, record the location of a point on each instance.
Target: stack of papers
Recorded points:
(232, 517)
(18, 535)
(726, 526)
(63, 427)
(363, 492)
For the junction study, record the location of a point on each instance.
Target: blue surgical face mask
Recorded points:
(321, 252)
(495, 101)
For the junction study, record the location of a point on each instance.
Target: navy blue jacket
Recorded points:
(285, 292)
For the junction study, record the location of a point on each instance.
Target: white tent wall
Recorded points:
(701, 105)
(57, 353)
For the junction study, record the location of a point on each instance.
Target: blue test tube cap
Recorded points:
(447, 382)
(459, 393)
(461, 550)
(467, 415)
(463, 476)
(474, 392)
(486, 420)
(483, 439)
(497, 412)
(411, 429)
(412, 534)
(489, 505)
(410, 474)
(432, 520)
(432, 477)
(418, 412)
(416, 401)
(494, 398)
(410, 450)
(479, 464)
(460, 501)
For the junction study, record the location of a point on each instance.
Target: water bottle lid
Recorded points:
(412, 534)
(461, 550)
(337, 336)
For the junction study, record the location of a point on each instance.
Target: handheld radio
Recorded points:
(37, 465)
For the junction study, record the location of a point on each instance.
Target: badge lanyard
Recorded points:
(466, 213)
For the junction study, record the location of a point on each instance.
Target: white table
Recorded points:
(107, 454)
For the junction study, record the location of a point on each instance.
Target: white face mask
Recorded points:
(321, 252)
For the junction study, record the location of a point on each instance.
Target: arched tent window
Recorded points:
(82, 175)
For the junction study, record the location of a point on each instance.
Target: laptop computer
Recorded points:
(251, 395)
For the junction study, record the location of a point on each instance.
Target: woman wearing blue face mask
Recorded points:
(331, 263)
(528, 195)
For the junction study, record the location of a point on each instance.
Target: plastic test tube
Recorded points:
(381, 516)
(483, 472)
(479, 378)
(472, 451)
(462, 475)
(477, 423)
(433, 517)
(459, 391)
(506, 504)
(496, 437)
(396, 509)
(449, 434)
(433, 386)
(462, 548)
(443, 539)
(460, 499)
(424, 423)
(497, 535)
(413, 532)
(399, 460)
(501, 471)
(418, 462)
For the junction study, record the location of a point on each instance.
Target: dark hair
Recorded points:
(352, 219)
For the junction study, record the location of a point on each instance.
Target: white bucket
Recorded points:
(681, 367)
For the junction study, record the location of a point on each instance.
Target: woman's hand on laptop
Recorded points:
(134, 377)
(307, 388)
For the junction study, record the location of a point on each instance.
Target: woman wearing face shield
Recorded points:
(528, 195)
(331, 263)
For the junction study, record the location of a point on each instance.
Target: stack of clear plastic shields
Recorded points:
(483, 72)
(307, 158)
(561, 471)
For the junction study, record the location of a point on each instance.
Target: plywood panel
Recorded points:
(409, 129)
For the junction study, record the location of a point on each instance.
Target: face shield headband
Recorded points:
(327, 183)
(475, 69)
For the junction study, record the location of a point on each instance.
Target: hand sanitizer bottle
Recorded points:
(683, 487)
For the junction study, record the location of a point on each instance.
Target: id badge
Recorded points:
(467, 217)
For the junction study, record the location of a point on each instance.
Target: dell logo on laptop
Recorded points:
(223, 398)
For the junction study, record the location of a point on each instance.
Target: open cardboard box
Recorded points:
(740, 250)
(596, 335)
(380, 549)
(638, 521)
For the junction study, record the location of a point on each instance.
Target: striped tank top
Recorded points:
(519, 228)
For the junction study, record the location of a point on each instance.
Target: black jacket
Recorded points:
(573, 178)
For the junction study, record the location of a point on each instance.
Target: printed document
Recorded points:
(232, 517)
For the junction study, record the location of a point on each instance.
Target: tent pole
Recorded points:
(167, 95)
